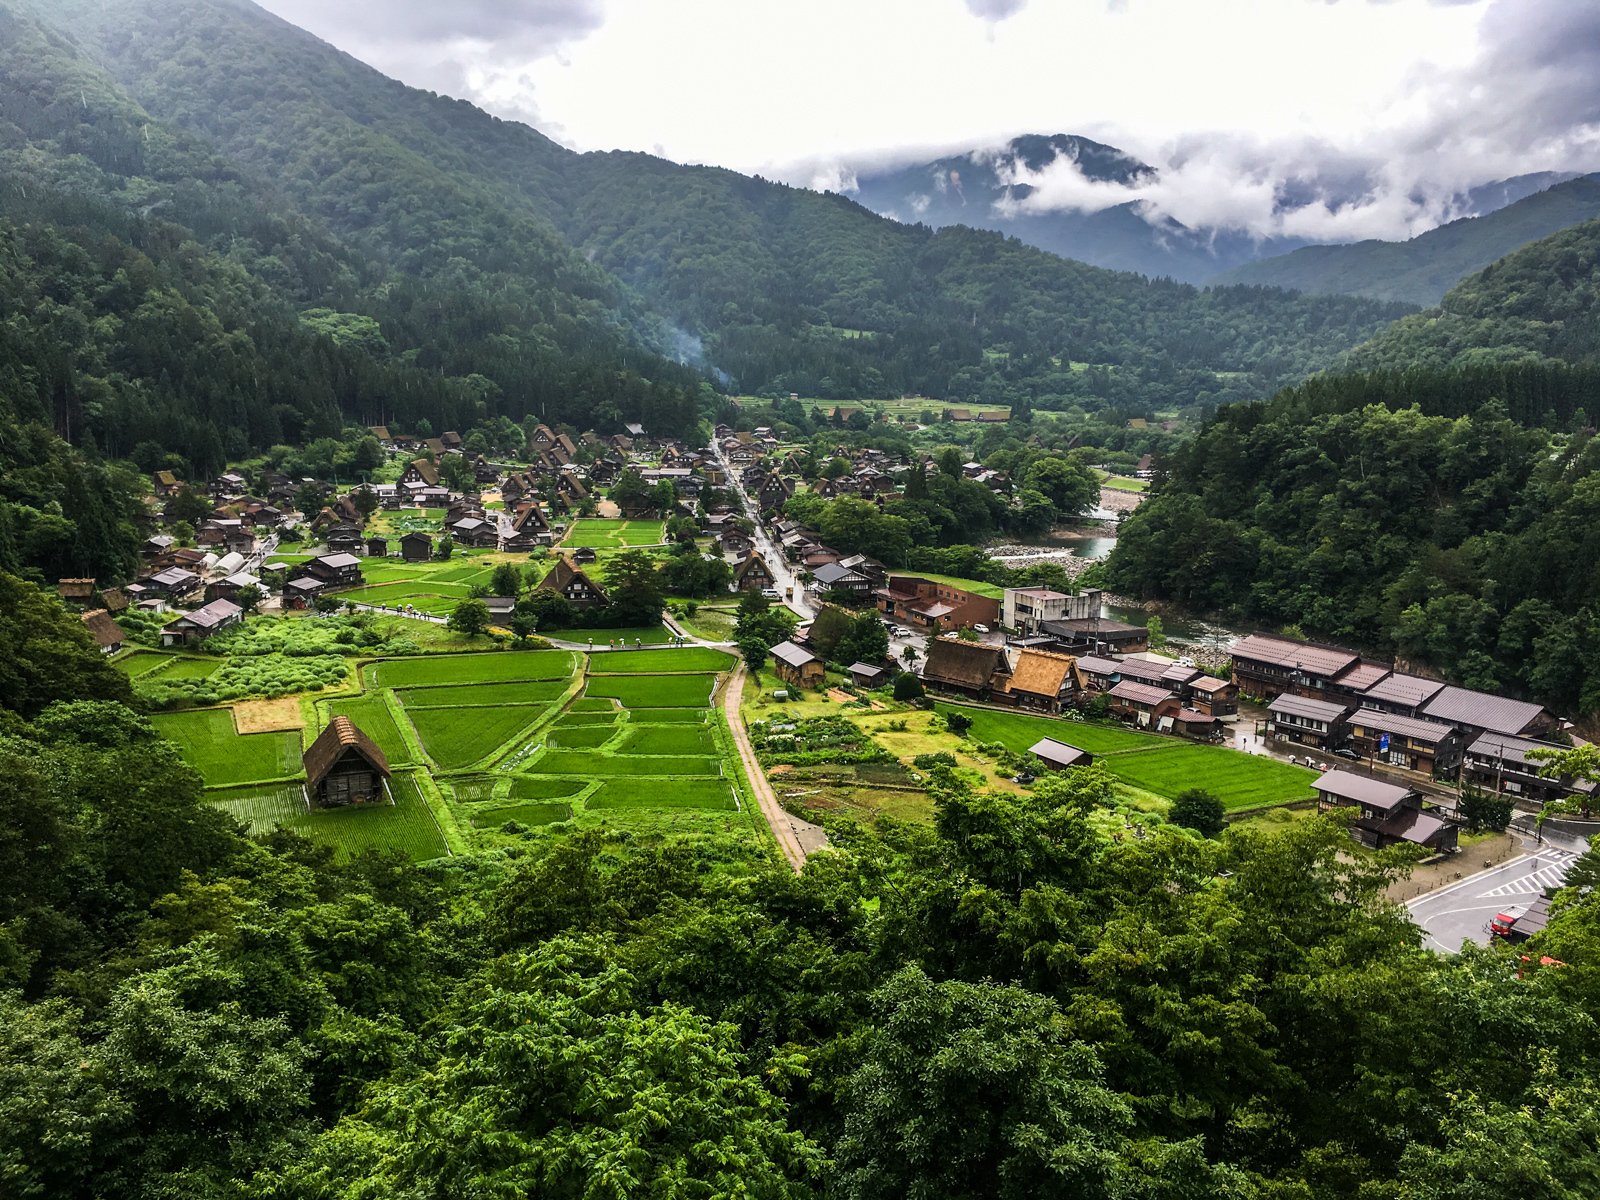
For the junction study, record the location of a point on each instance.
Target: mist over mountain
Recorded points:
(1098, 204)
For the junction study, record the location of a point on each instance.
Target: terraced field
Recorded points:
(437, 669)
(225, 757)
(653, 691)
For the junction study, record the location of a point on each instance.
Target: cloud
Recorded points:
(995, 10)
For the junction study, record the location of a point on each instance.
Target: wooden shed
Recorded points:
(344, 766)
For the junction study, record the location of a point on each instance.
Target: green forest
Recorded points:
(1441, 507)
(1005, 1003)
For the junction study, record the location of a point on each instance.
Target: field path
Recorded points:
(792, 833)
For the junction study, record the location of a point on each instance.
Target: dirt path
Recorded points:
(792, 833)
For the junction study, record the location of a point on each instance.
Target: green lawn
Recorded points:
(589, 765)
(454, 695)
(458, 737)
(1162, 765)
(373, 718)
(431, 670)
(602, 533)
(661, 793)
(1124, 483)
(668, 716)
(654, 691)
(667, 739)
(225, 758)
(189, 668)
(136, 664)
(976, 586)
(685, 658)
(405, 827)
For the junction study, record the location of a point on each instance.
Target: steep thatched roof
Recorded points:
(965, 664)
(331, 744)
(1041, 673)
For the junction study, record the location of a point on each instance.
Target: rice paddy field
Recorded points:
(1163, 766)
(600, 639)
(610, 534)
(489, 748)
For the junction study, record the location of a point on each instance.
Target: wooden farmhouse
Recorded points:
(344, 766)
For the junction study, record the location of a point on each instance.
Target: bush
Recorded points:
(1199, 810)
(1483, 810)
(940, 758)
(907, 687)
(957, 723)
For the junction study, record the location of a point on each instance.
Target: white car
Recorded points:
(980, 629)
(770, 593)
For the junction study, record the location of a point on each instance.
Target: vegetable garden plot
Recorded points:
(225, 757)
(539, 813)
(601, 766)
(459, 737)
(643, 662)
(661, 793)
(436, 669)
(472, 695)
(373, 717)
(654, 691)
(667, 739)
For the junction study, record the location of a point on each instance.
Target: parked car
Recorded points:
(770, 593)
(980, 629)
(1347, 753)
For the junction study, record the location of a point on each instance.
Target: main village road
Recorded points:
(1462, 911)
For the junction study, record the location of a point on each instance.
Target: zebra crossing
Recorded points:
(1548, 869)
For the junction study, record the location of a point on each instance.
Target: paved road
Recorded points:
(785, 579)
(1462, 911)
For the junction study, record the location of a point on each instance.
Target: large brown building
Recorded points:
(929, 606)
(344, 766)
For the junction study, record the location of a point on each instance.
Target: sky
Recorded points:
(1378, 113)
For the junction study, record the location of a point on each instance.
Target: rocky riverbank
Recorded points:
(1118, 501)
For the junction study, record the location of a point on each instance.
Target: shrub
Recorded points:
(1199, 810)
(939, 758)
(907, 687)
(957, 723)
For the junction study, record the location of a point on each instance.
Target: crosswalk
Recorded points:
(1546, 870)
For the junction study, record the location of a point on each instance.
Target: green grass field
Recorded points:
(473, 695)
(644, 662)
(136, 664)
(976, 586)
(435, 669)
(547, 812)
(667, 739)
(588, 718)
(373, 718)
(654, 691)
(405, 827)
(434, 597)
(458, 737)
(1162, 765)
(661, 793)
(589, 765)
(1125, 483)
(189, 668)
(668, 716)
(601, 533)
(225, 758)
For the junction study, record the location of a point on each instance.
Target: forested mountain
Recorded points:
(1441, 506)
(1537, 306)
(777, 281)
(1422, 270)
(975, 189)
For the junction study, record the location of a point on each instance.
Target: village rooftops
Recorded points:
(1406, 691)
(1513, 752)
(1480, 710)
(1323, 661)
(794, 656)
(1411, 727)
(1139, 693)
(1059, 754)
(339, 562)
(1307, 709)
(1362, 676)
(211, 616)
(1358, 789)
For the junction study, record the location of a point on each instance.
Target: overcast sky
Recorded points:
(1412, 99)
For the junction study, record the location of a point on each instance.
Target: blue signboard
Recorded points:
(1383, 743)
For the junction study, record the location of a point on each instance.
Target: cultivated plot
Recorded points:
(458, 737)
(223, 756)
(434, 669)
(471, 695)
(646, 662)
(590, 765)
(405, 827)
(373, 717)
(667, 739)
(609, 534)
(646, 793)
(654, 691)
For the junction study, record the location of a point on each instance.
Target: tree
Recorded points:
(188, 505)
(957, 722)
(908, 687)
(50, 655)
(365, 500)
(523, 625)
(505, 581)
(866, 640)
(311, 497)
(754, 648)
(249, 598)
(446, 547)
(633, 590)
(1485, 810)
(456, 473)
(1197, 809)
(470, 617)
(1157, 631)
(630, 493)
(1580, 762)
(549, 608)
(1067, 483)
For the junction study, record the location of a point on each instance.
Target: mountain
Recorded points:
(1421, 270)
(781, 289)
(1536, 307)
(974, 189)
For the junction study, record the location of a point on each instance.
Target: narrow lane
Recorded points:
(791, 832)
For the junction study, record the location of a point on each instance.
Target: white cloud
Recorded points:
(1238, 102)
